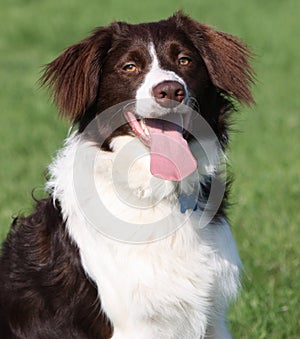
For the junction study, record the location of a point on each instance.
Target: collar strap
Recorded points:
(187, 202)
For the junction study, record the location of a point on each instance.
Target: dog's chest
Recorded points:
(162, 282)
(163, 285)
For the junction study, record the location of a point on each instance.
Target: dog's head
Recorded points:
(170, 63)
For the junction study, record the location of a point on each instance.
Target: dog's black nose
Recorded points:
(169, 90)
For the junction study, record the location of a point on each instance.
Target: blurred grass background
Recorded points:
(264, 154)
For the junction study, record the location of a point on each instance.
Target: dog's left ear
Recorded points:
(74, 76)
(227, 60)
(226, 57)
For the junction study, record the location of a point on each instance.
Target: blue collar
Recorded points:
(187, 202)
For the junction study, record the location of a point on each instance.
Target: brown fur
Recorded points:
(44, 292)
(76, 75)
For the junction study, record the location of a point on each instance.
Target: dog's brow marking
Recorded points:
(155, 63)
(156, 74)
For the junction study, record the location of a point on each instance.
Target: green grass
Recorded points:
(265, 148)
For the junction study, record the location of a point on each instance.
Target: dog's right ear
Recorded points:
(226, 57)
(74, 76)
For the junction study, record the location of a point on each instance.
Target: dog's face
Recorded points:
(156, 62)
(176, 59)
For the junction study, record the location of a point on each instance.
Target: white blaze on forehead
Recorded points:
(155, 76)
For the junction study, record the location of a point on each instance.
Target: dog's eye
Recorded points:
(184, 61)
(130, 68)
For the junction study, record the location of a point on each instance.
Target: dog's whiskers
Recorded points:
(193, 104)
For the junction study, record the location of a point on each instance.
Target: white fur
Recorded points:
(147, 107)
(176, 287)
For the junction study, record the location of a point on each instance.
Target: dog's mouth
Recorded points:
(170, 156)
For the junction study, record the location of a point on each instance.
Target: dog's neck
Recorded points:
(87, 180)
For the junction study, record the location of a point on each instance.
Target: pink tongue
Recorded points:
(171, 158)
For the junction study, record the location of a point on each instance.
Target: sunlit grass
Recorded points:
(264, 153)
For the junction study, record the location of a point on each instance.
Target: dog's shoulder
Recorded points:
(42, 283)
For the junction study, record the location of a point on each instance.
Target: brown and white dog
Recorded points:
(62, 277)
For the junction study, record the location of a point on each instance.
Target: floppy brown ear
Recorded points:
(226, 58)
(74, 76)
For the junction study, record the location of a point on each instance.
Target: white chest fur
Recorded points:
(175, 287)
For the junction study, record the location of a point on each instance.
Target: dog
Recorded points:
(72, 269)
